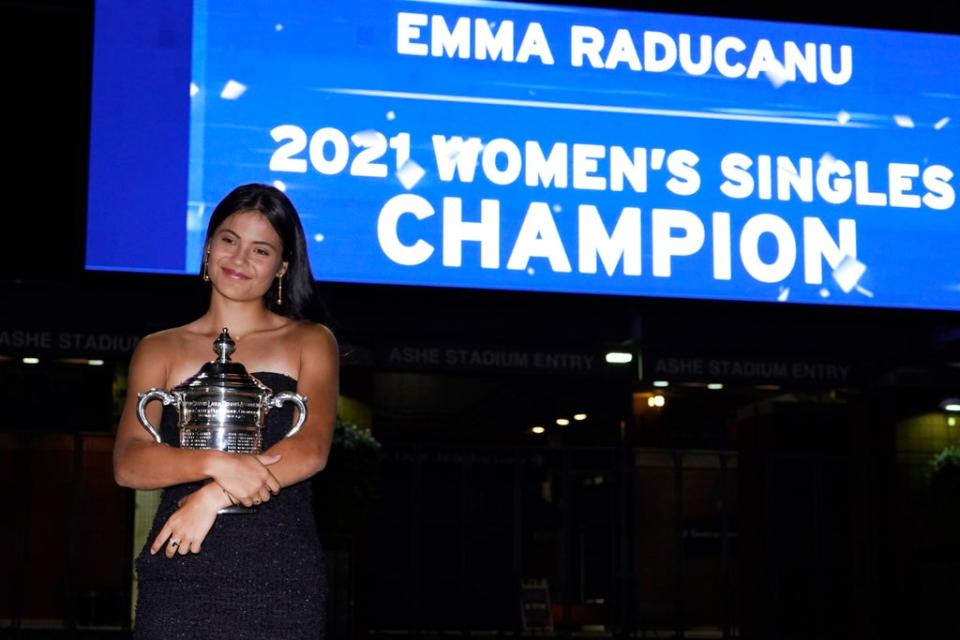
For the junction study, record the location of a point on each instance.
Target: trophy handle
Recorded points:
(148, 396)
(295, 398)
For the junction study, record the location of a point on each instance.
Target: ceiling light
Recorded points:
(619, 357)
(950, 404)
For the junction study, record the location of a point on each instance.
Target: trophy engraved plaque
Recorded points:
(221, 407)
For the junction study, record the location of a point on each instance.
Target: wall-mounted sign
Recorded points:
(744, 368)
(478, 359)
(64, 342)
(532, 147)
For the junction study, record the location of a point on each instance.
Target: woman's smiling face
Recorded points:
(245, 255)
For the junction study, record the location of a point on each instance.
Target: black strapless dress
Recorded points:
(259, 575)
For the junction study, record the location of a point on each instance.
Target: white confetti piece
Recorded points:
(843, 117)
(785, 166)
(776, 73)
(828, 162)
(366, 138)
(233, 90)
(903, 121)
(784, 294)
(410, 174)
(941, 123)
(848, 273)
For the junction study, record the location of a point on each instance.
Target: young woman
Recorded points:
(251, 575)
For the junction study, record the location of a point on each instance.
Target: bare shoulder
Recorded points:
(317, 347)
(151, 359)
(319, 360)
(314, 337)
(164, 341)
(160, 349)
(155, 344)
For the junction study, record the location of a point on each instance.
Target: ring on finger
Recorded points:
(174, 543)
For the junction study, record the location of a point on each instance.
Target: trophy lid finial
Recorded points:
(222, 373)
(224, 346)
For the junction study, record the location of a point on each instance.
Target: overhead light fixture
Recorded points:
(951, 404)
(715, 386)
(31, 361)
(562, 422)
(538, 430)
(656, 401)
(661, 383)
(579, 417)
(95, 363)
(619, 357)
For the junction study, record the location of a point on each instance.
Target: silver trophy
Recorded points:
(221, 407)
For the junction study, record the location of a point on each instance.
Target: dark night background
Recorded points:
(837, 536)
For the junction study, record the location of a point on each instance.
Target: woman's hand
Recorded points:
(246, 478)
(186, 529)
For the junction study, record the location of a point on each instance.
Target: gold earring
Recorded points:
(206, 259)
(279, 289)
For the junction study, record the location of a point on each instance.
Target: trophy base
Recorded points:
(238, 508)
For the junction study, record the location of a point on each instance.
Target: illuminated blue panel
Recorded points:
(528, 147)
(140, 118)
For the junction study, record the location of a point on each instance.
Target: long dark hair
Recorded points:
(299, 293)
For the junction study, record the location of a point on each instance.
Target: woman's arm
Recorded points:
(139, 462)
(305, 453)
